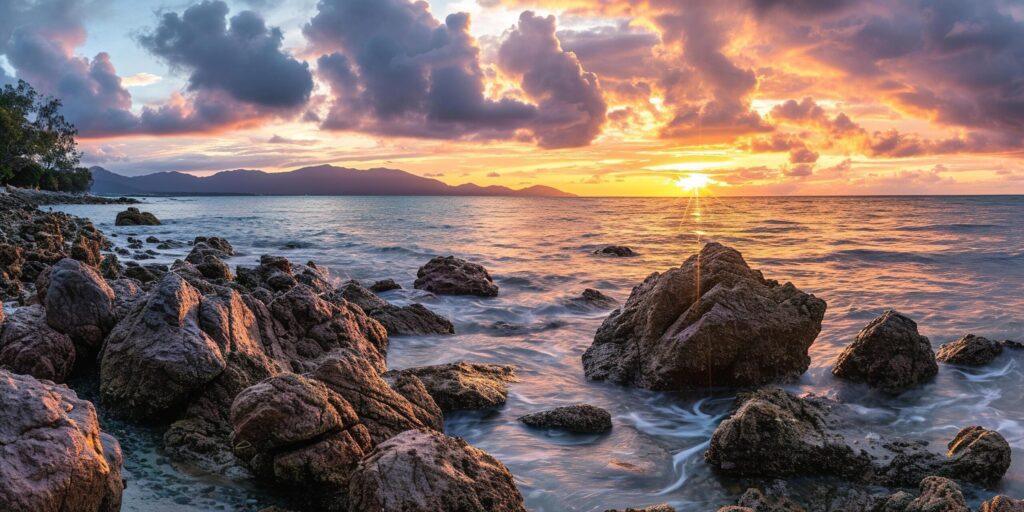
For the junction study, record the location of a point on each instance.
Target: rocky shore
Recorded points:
(279, 373)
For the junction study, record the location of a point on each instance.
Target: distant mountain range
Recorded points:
(321, 180)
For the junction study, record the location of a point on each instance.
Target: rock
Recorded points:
(217, 243)
(579, 419)
(938, 494)
(385, 285)
(296, 432)
(152, 240)
(426, 471)
(53, 456)
(758, 501)
(1002, 504)
(127, 292)
(29, 346)
(654, 508)
(110, 268)
(454, 276)
(591, 298)
(143, 274)
(413, 320)
(208, 256)
(78, 303)
(133, 217)
(171, 345)
(970, 350)
(774, 434)
(87, 250)
(464, 386)
(888, 354)
(620, 251)
(711, 322)
(277, 274)
(384, 411)
(299, 327)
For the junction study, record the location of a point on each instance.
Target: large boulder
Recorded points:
(888, 354)
(427, 471)
(969, 350)
(579, 419)
(134, 217)
(29, 346)
(775, 434)
(464, 386)
(384, 411)
(448, 275)
(413, 320)
(78, 303)
(711, 322)
(296, 432)
(53, 456)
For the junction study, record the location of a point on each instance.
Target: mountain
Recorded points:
(321, 180)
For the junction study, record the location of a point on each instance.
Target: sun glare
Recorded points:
(693, 182)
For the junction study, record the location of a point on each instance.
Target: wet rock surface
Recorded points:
(384, 285)
(620, 251)
(29, 346)
(969, 350)
(775, 434)
(888, 354)
(53, 456)
(426, 471)
(448, 275)
(712, 322)
(580, 419)
(462, 385)
(412, 320)
(135, 217)
(593, 299)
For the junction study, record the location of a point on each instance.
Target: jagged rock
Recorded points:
(31, 347)
(464, 386)
(426, 471)
(295, 431)
(385, 285)
(591, 298)
(53, 456)
(455, 276)
(384, 411)
(775, 434)
(144, 274)
(1002, 504)
(87, 250)
(216, 243)
(134, 217)
(970, 350)
(938, 494)
(299, 327)
(414, 319)
(888, 354)
(620, 251)
(758, 501)
(110, 268)
(712, 322)
(580, 419)
(78, 303)
(277, 274)
(126, 293)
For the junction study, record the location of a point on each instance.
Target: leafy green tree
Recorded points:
(37, 145)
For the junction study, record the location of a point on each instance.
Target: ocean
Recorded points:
(953, 264)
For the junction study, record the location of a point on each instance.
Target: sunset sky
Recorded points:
(595, 97)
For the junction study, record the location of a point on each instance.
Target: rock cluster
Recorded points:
(135, 217)
(711, 322)
(888, 354)
(414, 319)
(449, 275)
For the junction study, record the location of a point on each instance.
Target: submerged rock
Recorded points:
(579, 419)
(384, 411)
(385, 285)
(620, 251)
(297, 432)
(134, 217)
(427, 471)
(970, 350)
(78, 303)
(413, 320)
(888, 354)
(53, 456)
(449, 275)
(775, 434)
(652, 508)
(712, 322)
(31, 347)
(464, 386)
(591, 298)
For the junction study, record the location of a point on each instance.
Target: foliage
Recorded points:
(37, 145)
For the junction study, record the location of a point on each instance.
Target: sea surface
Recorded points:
(953, 264)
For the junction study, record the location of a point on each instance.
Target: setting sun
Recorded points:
(693, 182)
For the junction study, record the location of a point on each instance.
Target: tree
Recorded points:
(37, 145)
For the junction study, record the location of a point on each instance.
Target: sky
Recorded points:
(594, 97)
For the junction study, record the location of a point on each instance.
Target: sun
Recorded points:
(693, 182)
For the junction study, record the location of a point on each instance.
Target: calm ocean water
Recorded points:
(954, 264)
